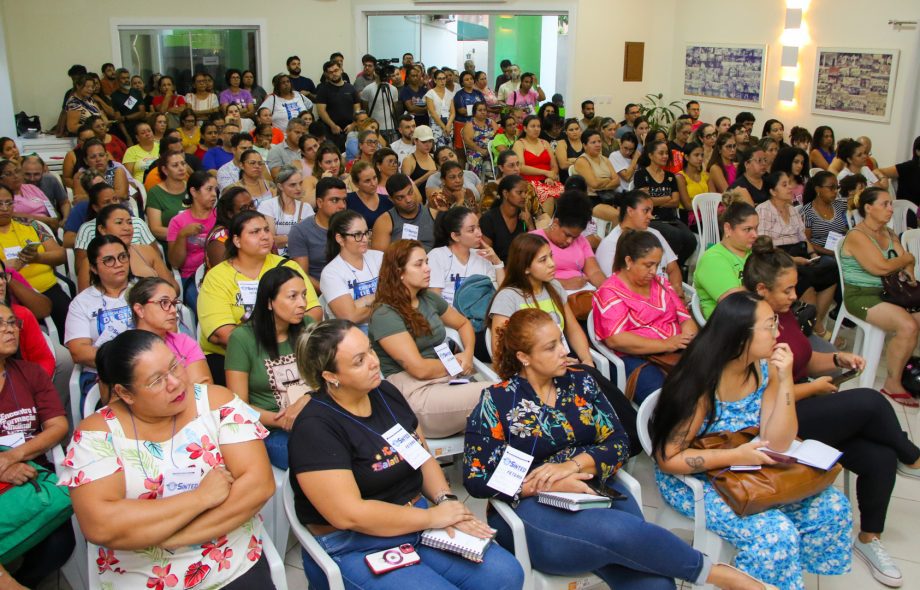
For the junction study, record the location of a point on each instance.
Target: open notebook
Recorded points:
(807, 452)
(573, 501)
(464, 545)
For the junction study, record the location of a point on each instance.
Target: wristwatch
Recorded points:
(446, 497)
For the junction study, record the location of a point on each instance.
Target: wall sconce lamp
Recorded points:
(792, 40)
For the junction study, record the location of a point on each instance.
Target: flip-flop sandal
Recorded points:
(905, 399)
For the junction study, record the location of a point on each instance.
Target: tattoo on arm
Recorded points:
(788, 397)
(681, 438)
(696, 464)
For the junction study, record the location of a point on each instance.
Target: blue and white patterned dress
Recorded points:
(775, 546)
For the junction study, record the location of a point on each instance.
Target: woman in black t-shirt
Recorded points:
(752, 167)
(661, 186)
(349, 473)
(508, 218)
(908, 175)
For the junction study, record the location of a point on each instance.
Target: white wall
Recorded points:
(7, 113)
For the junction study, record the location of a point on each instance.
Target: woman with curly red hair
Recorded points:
(406, 327)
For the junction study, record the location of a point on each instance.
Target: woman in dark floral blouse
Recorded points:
(558, 415)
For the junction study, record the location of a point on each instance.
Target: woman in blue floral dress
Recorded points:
(733, 376)
(477, 133)
(558, 415)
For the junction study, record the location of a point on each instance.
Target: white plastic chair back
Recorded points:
(814, 171)
(327, 311)
(706, 210)
(898, 221)
(92, 400)
(911, 242)
(853, 217)
(309, 544)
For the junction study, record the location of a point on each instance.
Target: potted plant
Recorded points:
(660, 115)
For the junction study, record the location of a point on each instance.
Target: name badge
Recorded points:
(407, 446)
(833, 238)
(448, 359)
(248, 291)
(177, 481)
(12, 440)
(12, 252)
(511, 471)
(52, 212)
(410, 232)
(129, 104)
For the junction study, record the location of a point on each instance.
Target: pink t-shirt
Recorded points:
(184, 347)
(527, 101)
(195, 245)
(32, 201)
(618, 310)
(570, 262)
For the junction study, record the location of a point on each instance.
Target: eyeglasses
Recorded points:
(12, 323)
(359, 236)
(832, 186)
(6, 204)
(110, 261)
(167, 304)
(258, 163)
(709, 136)
(772, 326)
(160, 382)
(730, 146)
(371, 142)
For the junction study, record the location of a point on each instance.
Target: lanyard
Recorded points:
(137, 444)
(361, 424)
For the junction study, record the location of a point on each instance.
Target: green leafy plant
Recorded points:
(660, 115)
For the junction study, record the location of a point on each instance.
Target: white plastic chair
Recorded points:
(814, 171)
(697, 310)
(50, 328)
(615, 361)
(274, 520)
(911, 242)
(309, 544)
(535, 579)
(74, 569)
(327, 311)
(92, 399)
(898, 221)
(481, 367)
(706, 211)
(76, 408)
(853, 217)
(870, 340)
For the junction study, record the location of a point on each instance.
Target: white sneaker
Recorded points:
(880, 563)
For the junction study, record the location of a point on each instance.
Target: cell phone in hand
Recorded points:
(814, 259)
(845, 376)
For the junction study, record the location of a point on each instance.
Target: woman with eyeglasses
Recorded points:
(368, 144)
(287, 209)
(235, 94)
(252, 177)
(261, 367)
(201, 101)
(129, 492)
(721, 165)
(441, 110)
(752, 168)
(155, 307)
(231, 203)
(165, 200)
(705, 135)
(365, 199)
(823, 214)
(228, 293)
(349, 279)
(100, 312)
(93, 159)
(29, 200)
(143, 154)
(189, 132)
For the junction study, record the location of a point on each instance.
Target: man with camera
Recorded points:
(381, 98)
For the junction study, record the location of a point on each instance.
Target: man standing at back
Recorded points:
(693, 109)
(336, 103)
(626, 125)
(300, 83)
(505, 75)
(369, 63)
(587, 113)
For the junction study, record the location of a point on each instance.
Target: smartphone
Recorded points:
(392, 559)
(31, 245)
(607, 493)
(459, 381)
(845, 376)
(814, 259)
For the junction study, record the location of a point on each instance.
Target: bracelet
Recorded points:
(577, 464)
(837, 360)
(499, 265)
(446, 497)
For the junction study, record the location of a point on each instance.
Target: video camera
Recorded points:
(385, 69)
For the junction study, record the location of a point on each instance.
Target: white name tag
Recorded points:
(407, 446)
(448, 359)
(12, 440)
(177, 481)
(12, 252)
(833, 238)
(248, 291)
(511, 471)
(410, 232)
(52, 212)
(129, 104)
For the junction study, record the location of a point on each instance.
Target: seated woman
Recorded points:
(822, 148)
(733, 376)
(608, 129)
(505, 136)
(598, 172)
(454, 191)
(791, 160)
(33, 252)
(869, 252)
(625, 160)
(678, 138)
(74, 159)
(569, 149)
(230, 203)
(718, 270)
(854, 158)
(538, 164)
(770, 148)
(287, 209)
(253, 177)
(235, 94)
(81, 105)
(779, 220)
(29, 202)
(752, 167)
(406, 326)
(349, 279)
(18, 295)
(121, 480)
(637, 313)
(188, 231)
(578, 447)
(144, 153)
(94, 159)
(477, 133)
(366, 200)
(721, 166)
(859, 422)
(661, 186)
(328, 164)
(824, 215)
(367, 145)
(692, 180)
(260, 366)
(166, 199)
(636, 214)
(508, 216)
(32, 413)
(420, 165)
(908, 175)
(228, 292)
(576, 266)
(341, 487)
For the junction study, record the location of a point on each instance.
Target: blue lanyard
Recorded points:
(361, 424)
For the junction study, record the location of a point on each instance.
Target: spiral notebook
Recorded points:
(464, 545)
(571, 501)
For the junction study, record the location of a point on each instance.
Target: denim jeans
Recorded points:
(650, 379)
(190, 293)
(277, 446)
(438, 570)
(616, 544)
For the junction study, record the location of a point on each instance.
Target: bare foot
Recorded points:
(728, 578)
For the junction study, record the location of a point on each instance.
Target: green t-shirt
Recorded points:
(500, 140)
(271, 380)
(717, 271)
(386, 321)
(169, 204)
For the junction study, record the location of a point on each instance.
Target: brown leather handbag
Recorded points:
(664, 361)
(581, 303)
(752, 492)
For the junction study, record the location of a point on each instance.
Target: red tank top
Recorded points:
(542, 162)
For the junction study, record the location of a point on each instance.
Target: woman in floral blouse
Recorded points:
(127, 489)
(558, 415)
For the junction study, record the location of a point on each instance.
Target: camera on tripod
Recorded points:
(385, 69)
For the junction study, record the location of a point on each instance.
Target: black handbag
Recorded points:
(898, 288)
(806, 314)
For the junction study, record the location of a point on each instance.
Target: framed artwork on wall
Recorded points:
(732, 74)
(855, 83)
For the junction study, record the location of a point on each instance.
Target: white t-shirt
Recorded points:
(381, 112)
(340, 278)
(871, 178)
(283, 109)
(402, 149)
(227, 175)
(97, 317)
(284, 221)
(441, 106)
(447, 273)
(620, 163)
(608, 249)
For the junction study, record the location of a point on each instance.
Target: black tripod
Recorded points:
(390, 133)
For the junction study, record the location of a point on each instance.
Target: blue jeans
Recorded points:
(438, 570)
(650, 379)
(616, 544)
(190, 293)
(277, 446)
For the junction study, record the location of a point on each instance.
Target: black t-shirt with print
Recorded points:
(325, 438)
(665, 188)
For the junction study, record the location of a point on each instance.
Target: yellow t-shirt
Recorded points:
(40, 276)
(696, 188)
(141, 159)
(221, 301)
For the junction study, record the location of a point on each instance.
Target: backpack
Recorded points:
(472, 299)
(26, 123)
